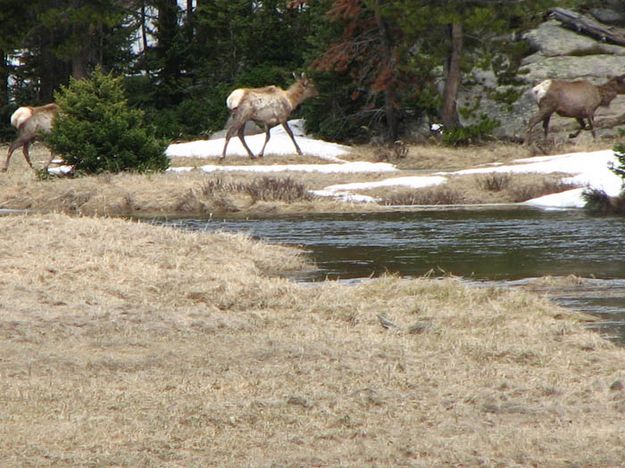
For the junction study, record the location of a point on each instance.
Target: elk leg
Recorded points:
(236, 127)
(267, 136)
(12, 147)
(52, 155)
(26, 154)
(582, 126)
(247, 148)
(228, 136)
(290, 132)
(546, 124)
(541, 115)
(591, 122)
(234, 124)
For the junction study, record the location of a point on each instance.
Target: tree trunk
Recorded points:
(190, 25)
(80, 64)
(4, 79)
(144, 32)
(51, 70)
(390, 63)
(449, 112)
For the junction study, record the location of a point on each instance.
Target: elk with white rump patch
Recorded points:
(30, 122)
(267, 107)
(576, 99)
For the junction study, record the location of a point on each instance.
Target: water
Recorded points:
(504, 246)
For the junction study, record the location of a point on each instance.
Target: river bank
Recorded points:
(126, 344)
(253, 192)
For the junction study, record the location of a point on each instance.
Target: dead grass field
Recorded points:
(129, 344)
(184, 194)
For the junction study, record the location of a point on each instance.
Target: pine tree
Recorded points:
(619, 168)
(368, 51)
(97, 131)
(461, 34)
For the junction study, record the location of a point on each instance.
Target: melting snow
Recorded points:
(590, 169)
(280, 144)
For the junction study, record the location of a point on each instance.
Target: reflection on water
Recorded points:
(480, 245)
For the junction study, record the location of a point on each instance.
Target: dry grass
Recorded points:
(241, 161)
(252, 193)
(130, 344)
(476, 189)
(157, 194)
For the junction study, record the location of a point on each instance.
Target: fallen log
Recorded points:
(589, 26)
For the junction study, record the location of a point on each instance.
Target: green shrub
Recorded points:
(597, 201)
(97, 132)
(470, 134)
(619, 168)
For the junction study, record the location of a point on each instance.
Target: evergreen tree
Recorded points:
(368, 50)
(619, 168)
(97, 131)
(389, 54)
(464, 34)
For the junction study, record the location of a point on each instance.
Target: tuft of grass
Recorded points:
(440, 195)
(523, 192)
(494, 182)
(283, 189)
(214, 187)
(394, 151)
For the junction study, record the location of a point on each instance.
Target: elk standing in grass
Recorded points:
(267, 107)
(577, 99)
(30, 122)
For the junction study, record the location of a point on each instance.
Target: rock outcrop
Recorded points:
(557, 53)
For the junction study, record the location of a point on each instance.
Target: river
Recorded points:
(505, 247)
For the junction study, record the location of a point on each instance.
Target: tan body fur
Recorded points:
(267, 107)
(576, 99)
(30, 122)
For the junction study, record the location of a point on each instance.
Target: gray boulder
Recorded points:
(558, 53)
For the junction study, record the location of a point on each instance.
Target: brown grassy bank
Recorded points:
(200, 194)
(170, 194)
(130, 344)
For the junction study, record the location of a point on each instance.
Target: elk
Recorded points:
(30, 122)
(267, 107)
(577, 99)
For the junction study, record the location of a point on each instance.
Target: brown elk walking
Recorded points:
(267, 107)
(30, 122)
(576, 99)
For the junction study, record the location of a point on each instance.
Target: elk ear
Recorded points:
(295, 76)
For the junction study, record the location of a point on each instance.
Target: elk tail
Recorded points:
(20, 116)
(235, 98)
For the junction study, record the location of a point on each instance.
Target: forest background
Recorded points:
(383, 67)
